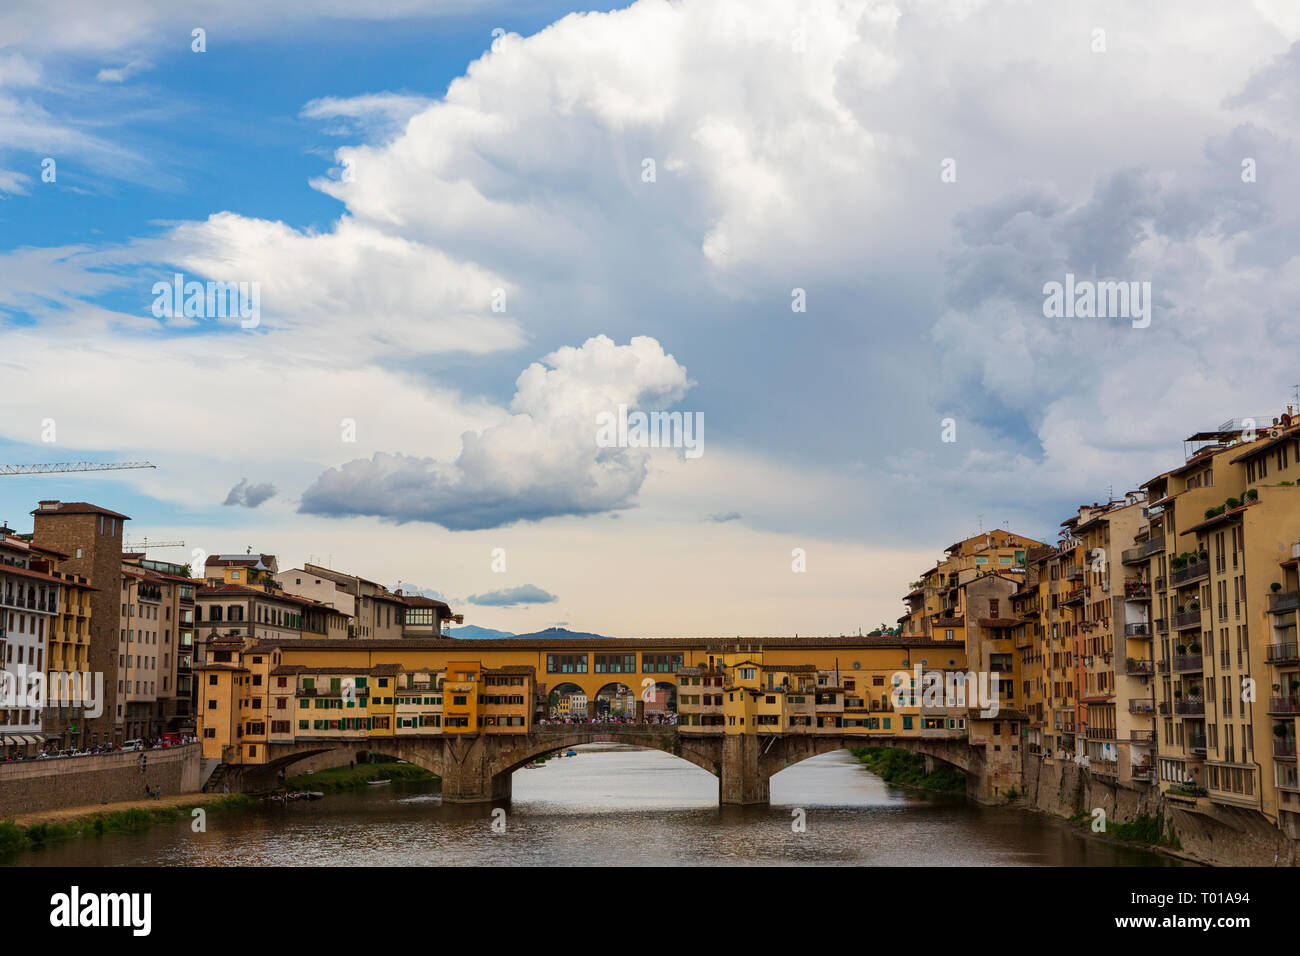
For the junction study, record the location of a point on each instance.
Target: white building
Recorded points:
(29, 602)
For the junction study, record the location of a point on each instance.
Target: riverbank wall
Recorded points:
(1202, 832)
(30, 786)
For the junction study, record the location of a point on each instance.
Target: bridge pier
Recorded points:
(467, 772)
(743, 783)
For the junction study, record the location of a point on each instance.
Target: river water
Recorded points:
(617, 807)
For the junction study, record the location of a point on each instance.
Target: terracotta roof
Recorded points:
(419, 600)
(29, 573)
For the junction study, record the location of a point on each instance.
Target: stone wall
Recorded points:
(1206, 833)
(33, 785)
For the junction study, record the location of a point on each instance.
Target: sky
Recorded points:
(467, 230)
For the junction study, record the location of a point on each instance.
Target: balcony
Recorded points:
(1164, 708)
(1284, 747)
(1137, 629)
(1142, 552)
(1283, 653)
(1101, 733)
(1074, 573)
(1187, 663)
(1142, 736)
(1137, 591)
(1161, 582)
(1139, 668)
(1187, 619)
(1283, 705)
(1141, 707)
(1282, 603)
(1190, 707)
(1074, 597)
(1196, 743)
(1190, 573)
(1162, 624)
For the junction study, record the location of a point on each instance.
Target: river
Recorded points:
(618, 807)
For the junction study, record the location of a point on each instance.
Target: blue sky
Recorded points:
(795, 151)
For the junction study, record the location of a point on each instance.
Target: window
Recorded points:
(566, 663)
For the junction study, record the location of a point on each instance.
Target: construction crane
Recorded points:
(60, 467)
(144, 544)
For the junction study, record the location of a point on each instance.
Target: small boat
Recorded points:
(315, 795)
(377, 783)
(531, 766)
(571, 753)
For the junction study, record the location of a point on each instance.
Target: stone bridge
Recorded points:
(478, 768)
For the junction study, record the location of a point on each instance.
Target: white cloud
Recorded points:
(541, 461)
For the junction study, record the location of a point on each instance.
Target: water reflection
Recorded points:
(617, 807)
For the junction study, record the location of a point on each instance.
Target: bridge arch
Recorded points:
(793, 750)
(562, 737)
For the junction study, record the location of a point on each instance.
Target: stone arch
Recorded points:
(510, 759)
(421, 753)
(796, 749)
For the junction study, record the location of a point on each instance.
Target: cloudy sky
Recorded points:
(473, 227)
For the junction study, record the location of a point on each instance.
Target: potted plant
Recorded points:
(1233, 502)
(1193, 692)
(1194, 606)
(1178, 693)
(1194, 647)
(1251, 494)
(1204, 555)
(1275, 587)
(1180, 650)
(1279, 730)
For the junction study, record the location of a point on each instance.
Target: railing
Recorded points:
(1196, 742)
(1190, 705)
(1138, 706)
(1140, 668)
(1161, 582)
(1280, 653)
(1284, 747)
(1187, 619)
(1142, 551)
(1142, 736)
(1101, 733)
(1162, 624)
(1281, 603)
(1283, 705)
(1137, 592)
(1197, 569)
(1187, 662)
(1074, 573)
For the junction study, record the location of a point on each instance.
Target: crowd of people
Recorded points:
(662, 717)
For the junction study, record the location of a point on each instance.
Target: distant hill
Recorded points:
(563, 632)
(472, 632)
